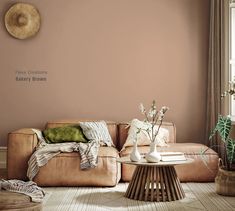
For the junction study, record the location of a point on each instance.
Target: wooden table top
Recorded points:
(143, 162)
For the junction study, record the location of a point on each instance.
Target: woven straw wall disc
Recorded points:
(22, 20)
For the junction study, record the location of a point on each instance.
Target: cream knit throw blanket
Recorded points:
(44, 152)
(28, 188)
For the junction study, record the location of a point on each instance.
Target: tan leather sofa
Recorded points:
(203, 169)
(64, 169)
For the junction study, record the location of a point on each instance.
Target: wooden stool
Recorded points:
(17, 201)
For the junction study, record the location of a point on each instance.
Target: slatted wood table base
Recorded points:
(155, 183)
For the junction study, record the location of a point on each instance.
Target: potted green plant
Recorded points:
(225, 179)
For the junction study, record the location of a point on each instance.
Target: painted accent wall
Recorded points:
(103, 58)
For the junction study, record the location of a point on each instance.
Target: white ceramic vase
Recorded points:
(153, 156)
(135, 155)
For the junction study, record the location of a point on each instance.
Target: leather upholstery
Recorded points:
(20, 146)
(192, 172)
(64, 169)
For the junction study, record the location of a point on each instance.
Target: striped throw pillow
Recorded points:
(97, 131)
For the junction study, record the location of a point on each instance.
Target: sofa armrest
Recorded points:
(20, 146)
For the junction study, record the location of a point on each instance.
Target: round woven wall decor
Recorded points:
(22, 20)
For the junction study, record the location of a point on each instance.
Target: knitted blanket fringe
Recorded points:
(28, 188)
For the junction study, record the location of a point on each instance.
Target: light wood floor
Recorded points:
(199, 196)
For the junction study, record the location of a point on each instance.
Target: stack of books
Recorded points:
(172, 156)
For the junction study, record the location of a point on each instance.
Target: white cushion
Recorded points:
(143, 138)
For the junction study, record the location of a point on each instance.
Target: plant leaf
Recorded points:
(231, 150)
(223, 127)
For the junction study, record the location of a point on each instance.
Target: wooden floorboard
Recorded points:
(199, 196)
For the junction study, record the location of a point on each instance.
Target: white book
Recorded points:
(172, 156)
(171, 153)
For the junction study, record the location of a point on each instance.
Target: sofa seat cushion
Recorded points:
(64, 170)
(196, 171)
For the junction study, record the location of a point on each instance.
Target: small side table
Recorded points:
(154, 181)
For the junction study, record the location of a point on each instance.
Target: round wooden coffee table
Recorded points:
(154, 181)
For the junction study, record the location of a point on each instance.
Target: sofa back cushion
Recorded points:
(123, 133)
(112, 126)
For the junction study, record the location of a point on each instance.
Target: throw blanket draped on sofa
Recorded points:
(44, 152)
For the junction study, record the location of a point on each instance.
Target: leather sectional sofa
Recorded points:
(64, 169)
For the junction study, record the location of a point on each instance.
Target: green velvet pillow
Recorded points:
(71, 133)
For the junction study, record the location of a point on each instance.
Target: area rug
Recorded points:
(199, 196)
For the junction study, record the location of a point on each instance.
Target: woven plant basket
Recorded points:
(225, 181)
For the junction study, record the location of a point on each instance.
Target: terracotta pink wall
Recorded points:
(105, 57)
